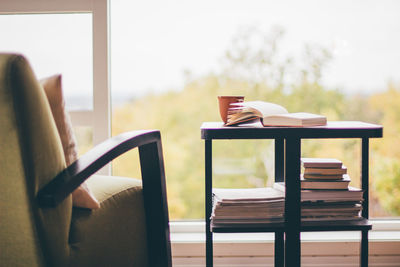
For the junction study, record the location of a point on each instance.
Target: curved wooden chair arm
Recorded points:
(69, 179)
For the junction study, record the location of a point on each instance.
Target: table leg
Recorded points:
(292, 202)
(364, 249)
(208, 202)
(365, 210)
(279, 249)
(279, 160)
(365, 175)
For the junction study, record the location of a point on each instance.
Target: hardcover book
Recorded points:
(326, 171)
(314, 176)
(325, 184)
(321, 163)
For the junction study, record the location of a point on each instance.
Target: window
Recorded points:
(69, 37)
(170, 60)
(68, 51)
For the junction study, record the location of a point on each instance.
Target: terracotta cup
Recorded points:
(224, 102)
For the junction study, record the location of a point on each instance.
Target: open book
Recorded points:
(271, 114)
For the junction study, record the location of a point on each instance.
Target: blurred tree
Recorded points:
(252, 66)
(386, 165)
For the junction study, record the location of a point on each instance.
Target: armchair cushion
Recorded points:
(53, 88)
(114, 234)
(82, 196)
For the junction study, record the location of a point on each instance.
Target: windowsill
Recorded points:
(257, 249)
(193, 232)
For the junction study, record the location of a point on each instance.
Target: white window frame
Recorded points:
(99, 118)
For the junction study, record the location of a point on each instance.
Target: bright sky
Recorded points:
(160, 39)
(154, 41)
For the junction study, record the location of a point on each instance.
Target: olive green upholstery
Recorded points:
(18, 231)
(30, 156)
(117, 227)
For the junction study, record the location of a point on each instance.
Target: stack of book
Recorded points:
(247, 207)
(322, 173)
(326, 194)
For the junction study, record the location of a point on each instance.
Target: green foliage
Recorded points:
(387, 187)
(259, 73)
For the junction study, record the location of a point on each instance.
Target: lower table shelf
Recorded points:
(314, 226)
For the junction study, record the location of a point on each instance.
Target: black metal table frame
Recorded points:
(287, 168)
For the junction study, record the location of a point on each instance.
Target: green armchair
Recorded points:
(38, 224)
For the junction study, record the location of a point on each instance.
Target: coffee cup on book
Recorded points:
(224, 102)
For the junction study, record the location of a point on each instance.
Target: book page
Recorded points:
(262, 108)
(247, 194)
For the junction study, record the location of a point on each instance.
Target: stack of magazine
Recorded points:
(247, 207)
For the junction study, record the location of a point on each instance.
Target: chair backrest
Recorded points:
(30, 155)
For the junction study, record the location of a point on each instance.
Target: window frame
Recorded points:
(99, 117)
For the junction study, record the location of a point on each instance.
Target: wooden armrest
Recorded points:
(69, 179)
